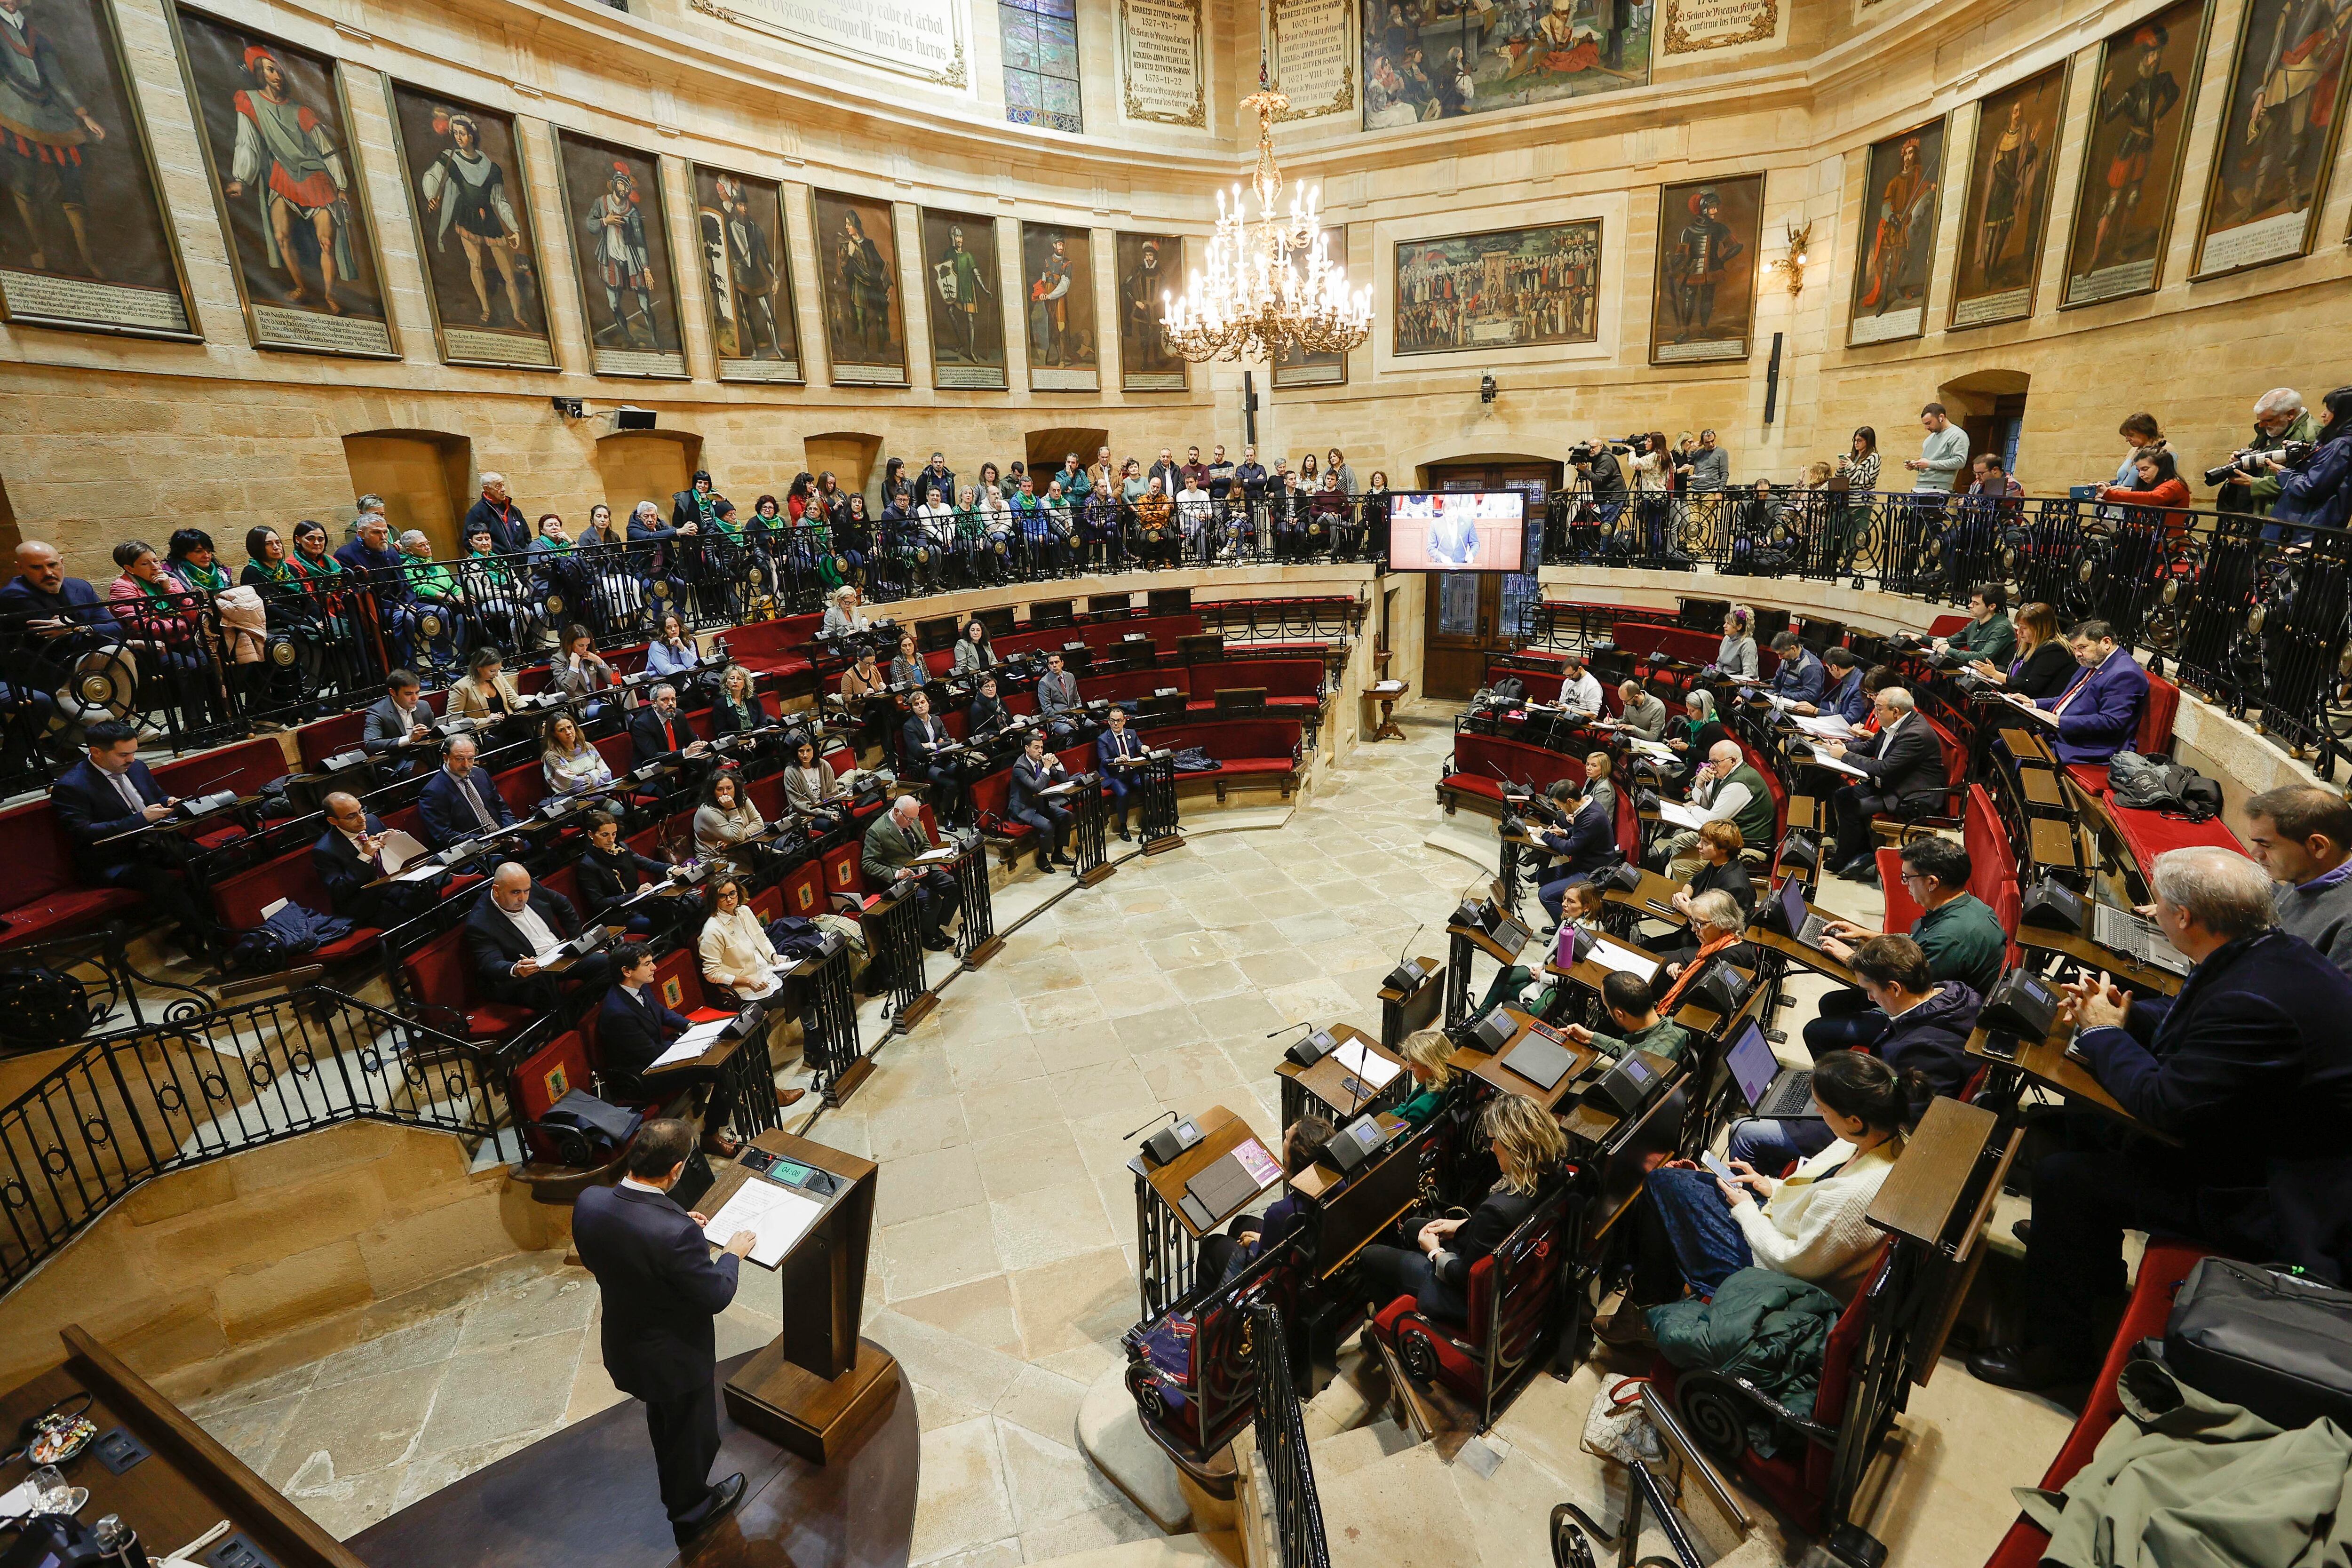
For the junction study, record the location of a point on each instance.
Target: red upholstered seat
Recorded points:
(784, 647)
(1193, 1375)
(2154, 736)
(844, 877)
(544, 1076)
(441, 978)
(1903, 910)
(1479, 761)
(768, 904)
(803, 891)
(2161, 1270)
(1505, 1328)
(238, 901)
(45, 898)
(329, 737)
(1946, 626)
(2148, 834)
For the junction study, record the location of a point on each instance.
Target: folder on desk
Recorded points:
(1224, 1187)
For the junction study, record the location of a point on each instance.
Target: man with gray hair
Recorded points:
(495, 514)
(1710, 465)
(1902, 768)
(2279, 417)
(2302, 835)
(2246, 1076)
(888, 859)
(1727, 789)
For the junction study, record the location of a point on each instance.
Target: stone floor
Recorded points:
(1004, 1264)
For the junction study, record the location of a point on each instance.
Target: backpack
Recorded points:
(2160, 783)
(1193, 759)
(585, 1131)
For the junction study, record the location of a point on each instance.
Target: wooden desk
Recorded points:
(2046, 1063)
(1487, 944)
(1796, 952)
(1388, 694)
(1222, 1132)
(2039, 786)
(1329, 1082)
(1404, 1012)
(2119, 966)
(1358, 1210)
(2054, 843)
(1654, 899)
(1495, 1070)
(2027, 746)
(715, 1055)
(1923, 1191)
(188, 1482)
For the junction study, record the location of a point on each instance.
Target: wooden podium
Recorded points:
(817, 1388)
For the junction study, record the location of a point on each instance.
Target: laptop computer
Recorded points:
(1771, 1090)
(2144, 940)
(1805, 927)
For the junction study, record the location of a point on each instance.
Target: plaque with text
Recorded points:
(1706, 27)
(1314, 56)
(919, 38)
(1163, 74)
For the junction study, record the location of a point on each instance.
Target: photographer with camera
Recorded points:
(1596, 463)
(2313, 488)
(2249, 483)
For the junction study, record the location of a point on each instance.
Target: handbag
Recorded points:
(2276, 1345)
(1618, 1428)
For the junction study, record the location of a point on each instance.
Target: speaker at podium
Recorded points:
(819, 1386)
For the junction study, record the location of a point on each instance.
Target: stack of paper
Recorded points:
(1828, 725)
(1680, 815)
(1359, 1059)
(691, 1044)
(777, 1215)
(1608, 955)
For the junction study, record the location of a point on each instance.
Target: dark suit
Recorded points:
(1905, 765)
(90, 809)
(1588, 847)
(494, 945)
(449, 817)
(1440, 1286)
(2249, 1067)
(2099, 714)
(652, 739)
(887, 847)
(347, 878)
(989, 718)
(77, 602)
(607, 879)
(660, 1290)
(503, 522)
(1051, 819)
(386, 728)
(1109, 746)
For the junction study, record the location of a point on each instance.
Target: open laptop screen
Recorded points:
(1753, 1065)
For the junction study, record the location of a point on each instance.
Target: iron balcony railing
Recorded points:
(1294, 1511)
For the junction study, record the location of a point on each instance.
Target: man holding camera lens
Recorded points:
(1596, 463)
(2249, 481)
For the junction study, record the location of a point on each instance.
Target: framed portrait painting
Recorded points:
(2007, 209)
(1506, 288)
(621, 256)
(2141, 108)
(1703, 299)
(1149, 266)
(87, 245)
(858, 279)
(275, 125)
(2279, 126)
(1902, 191)
(747, 272)
(964, 281)
(462, 167)
(1057, 279)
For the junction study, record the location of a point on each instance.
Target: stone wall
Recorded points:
(232, 1270)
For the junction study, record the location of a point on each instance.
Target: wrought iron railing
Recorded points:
(1294, 1510)
(2252, 612)
(129, 1107)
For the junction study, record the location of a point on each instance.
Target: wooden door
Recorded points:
(1474, 614)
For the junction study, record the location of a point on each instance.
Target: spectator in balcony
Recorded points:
(1993, 480)
(1153, 512)
(659, 551)
(1680, 460)
(2099, 713)
(1989, 635)
(2303, 835)
(495, 514)
(1249, 478)
(2044, 666)
(501, 602)
(936, 476)
(2279, 417)
(163, 619)
(1734, 656)
(190, 561)
(1335, 466)
(2141, 434)
(2317, 494)
(1943, 453)
(2157, 483)
(1801, 678)
(431, 588)
(1644, 716)
(1857, 472)
(1710, 468)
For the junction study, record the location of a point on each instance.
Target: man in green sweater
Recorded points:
(1960, 935)
(1633, 1009)
(1727, 789)
(1989, 634)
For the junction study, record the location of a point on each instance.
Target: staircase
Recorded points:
(129, 1107)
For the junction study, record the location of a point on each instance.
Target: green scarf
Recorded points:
(196, 576)
(325, 565)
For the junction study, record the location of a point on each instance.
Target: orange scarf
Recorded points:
(1690, 971)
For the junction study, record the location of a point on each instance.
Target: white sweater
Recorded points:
(1813, 1226)
(736, 944)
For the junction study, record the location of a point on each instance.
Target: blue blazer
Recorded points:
(1847, 699)
(447, 817)
(1108, 745)
(386, 570)
(91, 809)
(1589, 843)
(660, 1286)
(2102, 720)
(74, 600)
(631, 1033)
(2250, 1068)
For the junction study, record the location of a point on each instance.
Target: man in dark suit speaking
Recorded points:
(661, 1288)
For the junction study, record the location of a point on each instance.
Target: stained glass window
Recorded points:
(1040, 62)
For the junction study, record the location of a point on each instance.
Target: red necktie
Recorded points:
(669, 728)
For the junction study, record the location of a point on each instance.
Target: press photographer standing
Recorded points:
(2279, 417)
(2315, 494)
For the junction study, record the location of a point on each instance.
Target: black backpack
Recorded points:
(585, 1131)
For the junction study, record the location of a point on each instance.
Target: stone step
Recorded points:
(1355, 1449)
(1170, 1552)
(1111, 1435)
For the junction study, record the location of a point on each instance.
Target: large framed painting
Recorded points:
(87, 245)
(1149, 265)
(275, 124)
(1436, 60)
(2278, 134)
(963, 275)
(1296, 366)
(747, 271)
(1903, 189)
(1703, 299)
(1057, 276)
(2143, 106)
(2007, 209)
(462, 166)
(857, 279)
(1506, 288)
(620, 244)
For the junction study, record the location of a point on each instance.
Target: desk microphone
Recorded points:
(1405, 976)
(1283, 1030)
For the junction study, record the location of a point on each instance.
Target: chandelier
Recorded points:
(1271, 286)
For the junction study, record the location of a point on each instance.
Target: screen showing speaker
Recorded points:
(1466, 530)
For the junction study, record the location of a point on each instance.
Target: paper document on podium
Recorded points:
(1823, 760)
(777, 1215)
(938, 857)
(1358, 1059)
(1683, 817)
(1828, 725)
(690, 1045)
(1608, 955)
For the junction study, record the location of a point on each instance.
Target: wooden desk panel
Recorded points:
(1326, 1081)
(1222, 1132)
(1796, 953)
(1654, 899)
(2119, 966)
(1924, 1190)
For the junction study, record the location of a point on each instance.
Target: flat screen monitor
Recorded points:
(1457, 531)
